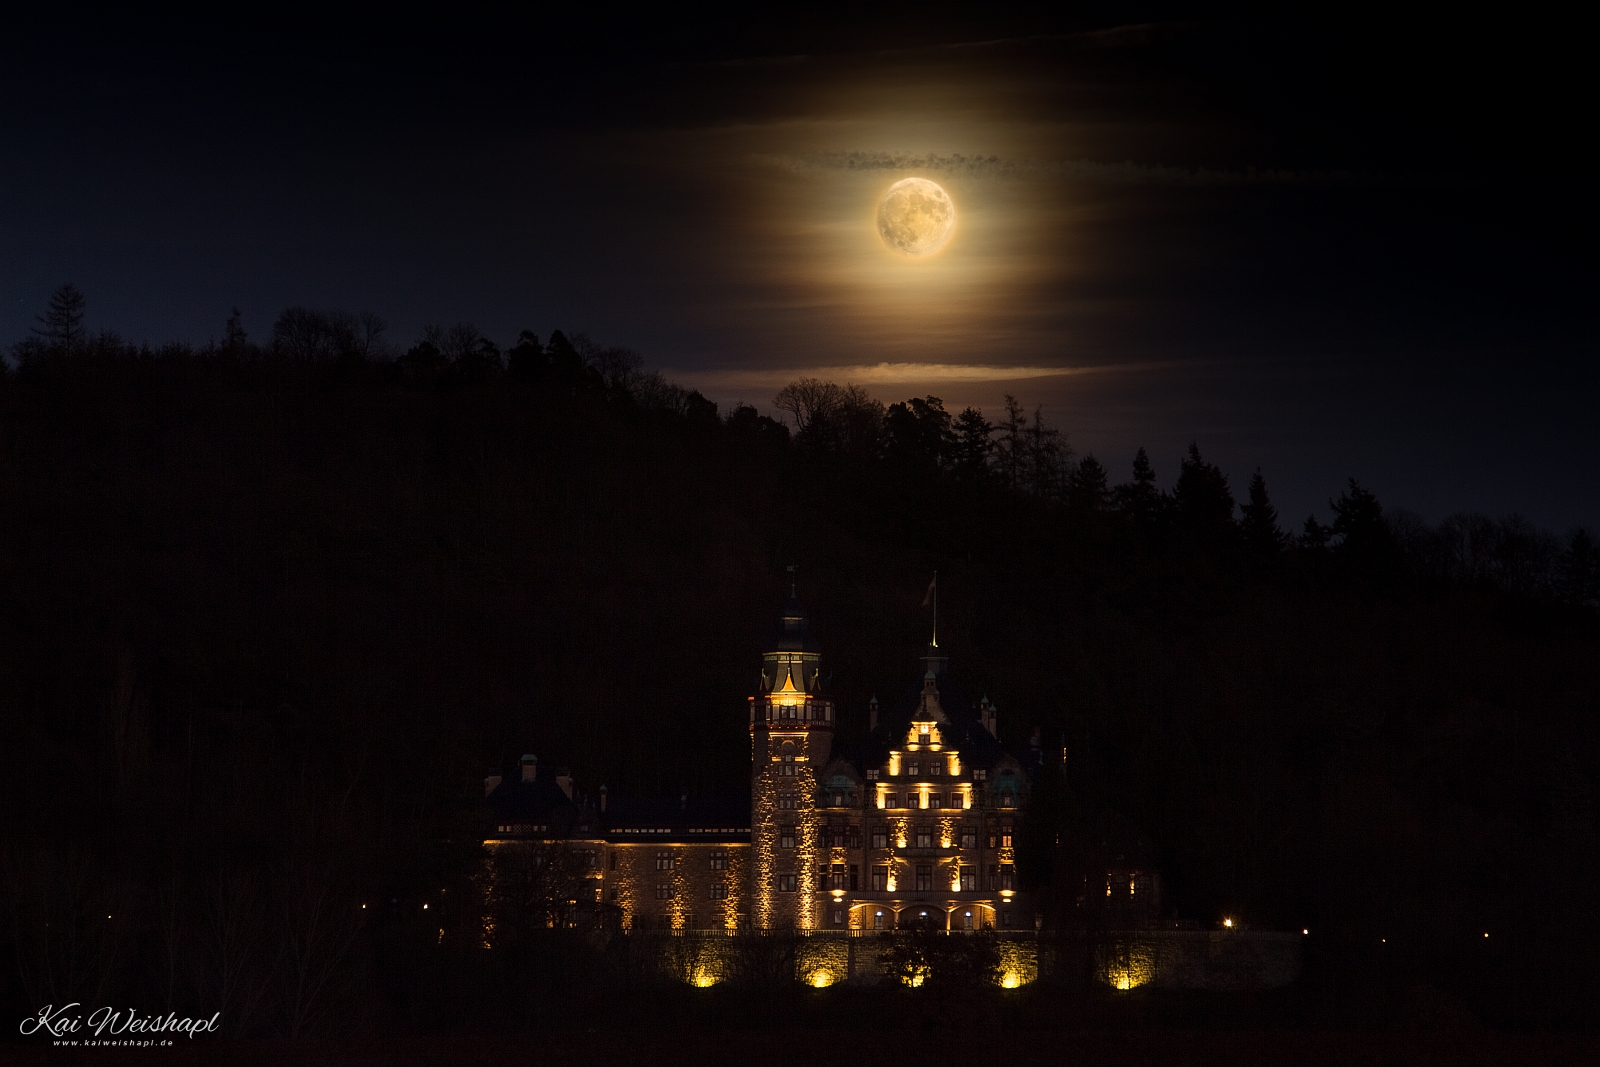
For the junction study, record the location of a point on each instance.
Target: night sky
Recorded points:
(1327, 246)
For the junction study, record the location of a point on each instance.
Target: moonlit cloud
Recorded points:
(733, 380)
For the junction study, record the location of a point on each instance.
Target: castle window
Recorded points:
(966, 921)
(891, 800)
(837, 836)
(836, 877)
(979, 774)
(880, 881)
(1005, 835)
(1007, 876)
(665, 861)
(935, 800)
(1007, 799)
(994, 876)
(913, 769)
(838, 799)
(719, 891)
(855, 877)
(838, 916)
(924, 837)
(969, 881)
(877, 920)
(613, 861)
(786, 837)
(994, 839)
(1005, 916)
(872, 774)
(786, 768)
(880, 837)
(787, 802)
(664, 891)
(719, 861)
(611, 894)
(936, 767)
(855, 837)
(969, 837)
(924, 877)
(787, 883)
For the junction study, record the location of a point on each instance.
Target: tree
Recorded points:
(918, 434)
(234, 338)
(1314, 535)
(1258, 520)
(1139, 499)
(973, 445)
(1365, 539)
(1087, 492)
(61, 325)
(1011, 450)
(1204, 502)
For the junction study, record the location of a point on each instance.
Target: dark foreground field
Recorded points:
(623, 1045)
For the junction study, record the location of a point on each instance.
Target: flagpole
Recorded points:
(935, 609)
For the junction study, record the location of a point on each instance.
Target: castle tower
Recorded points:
(791, 736)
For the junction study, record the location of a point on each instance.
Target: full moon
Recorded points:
(916, 217)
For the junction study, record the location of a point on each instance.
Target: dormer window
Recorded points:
(872, 775)
(979, 774)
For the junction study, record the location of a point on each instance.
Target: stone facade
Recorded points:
(917, 824)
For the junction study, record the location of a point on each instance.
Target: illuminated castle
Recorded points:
(915, 825)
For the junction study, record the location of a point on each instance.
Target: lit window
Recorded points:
(719, 861)
(935, 800)
(880, 880)
(924, 837)
(872, 774)
(665, 861)
(786, 837)
(1005, 835)
(838, 916)
(936, 767)
(969, 837)
(891, 800)
(880, 837)
(913, 769)
(787, 883)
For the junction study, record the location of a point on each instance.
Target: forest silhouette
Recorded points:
(272, 610)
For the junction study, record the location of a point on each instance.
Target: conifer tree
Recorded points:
(1259, 521)
(1140, 499)
(61, 326)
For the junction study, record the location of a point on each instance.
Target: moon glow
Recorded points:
(916, 217)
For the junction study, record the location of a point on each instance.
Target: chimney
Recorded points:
(490, 784)
(602, 800)
(872, 714)
(564, 780)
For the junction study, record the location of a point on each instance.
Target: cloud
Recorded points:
(1079, 170)
(726, 379)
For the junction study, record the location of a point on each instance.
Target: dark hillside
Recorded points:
(266, 622)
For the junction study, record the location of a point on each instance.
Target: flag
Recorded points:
(933, 587)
